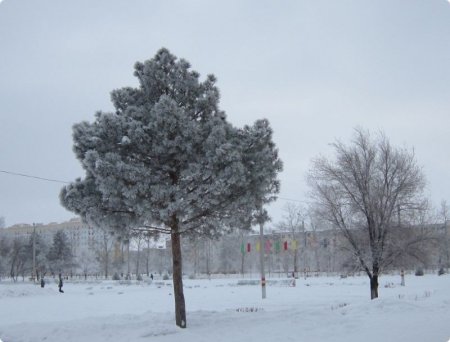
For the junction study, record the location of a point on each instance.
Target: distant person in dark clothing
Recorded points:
(151, 276)
(42, 282)
(60, 285)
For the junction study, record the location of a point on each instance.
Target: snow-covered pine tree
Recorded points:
(60, 253)
(168, 161)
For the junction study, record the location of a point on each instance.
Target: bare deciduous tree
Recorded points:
(104, 249)
(361, 192)
(412, 239)
(293, 222)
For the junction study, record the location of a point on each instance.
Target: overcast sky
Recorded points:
(316, 69)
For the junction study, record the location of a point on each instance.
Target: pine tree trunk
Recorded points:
(180, 307)
(374, 286)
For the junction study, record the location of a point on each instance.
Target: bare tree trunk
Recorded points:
(243, 258)
(138, 257)
(374, 286)
(105, 253)
(374, 282)
(296, 261)
(122, 253)
(208, 256)
(106, 267)
(316, 257)
(180, 307)
(128, 259)
(147, 261)
(196, 258)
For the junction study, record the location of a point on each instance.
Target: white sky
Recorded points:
(315, 69)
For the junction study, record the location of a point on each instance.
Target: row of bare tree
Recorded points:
(33, 256)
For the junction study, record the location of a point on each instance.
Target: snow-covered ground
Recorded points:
(317, 309)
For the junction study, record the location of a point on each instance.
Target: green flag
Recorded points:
(277, 246)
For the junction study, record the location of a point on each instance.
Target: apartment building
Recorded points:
(82, 237)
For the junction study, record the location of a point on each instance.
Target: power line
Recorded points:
(64, 182)
(34, 177)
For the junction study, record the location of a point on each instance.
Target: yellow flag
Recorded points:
(258, 246)
(294, 245)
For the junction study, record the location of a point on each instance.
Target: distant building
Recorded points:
(82, 237)
(94, 250)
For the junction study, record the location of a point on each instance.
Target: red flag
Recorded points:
(285, 245)
(268, 246)
(249, 247)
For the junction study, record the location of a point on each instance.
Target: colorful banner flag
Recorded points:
(294, 245)
(268, 246)
(277, 246)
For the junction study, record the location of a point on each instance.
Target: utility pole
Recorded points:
(446, 243)
(261, 258)
(34, 252)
